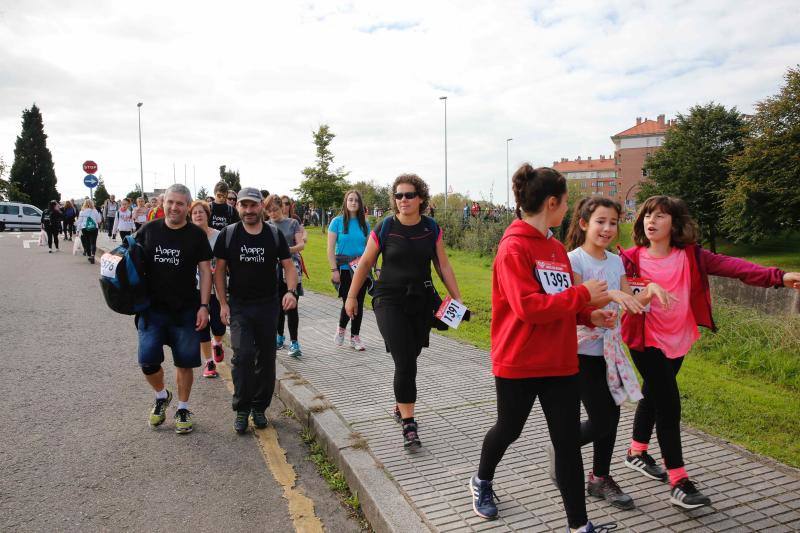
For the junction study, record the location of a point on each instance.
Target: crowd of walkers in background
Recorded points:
(561, 316)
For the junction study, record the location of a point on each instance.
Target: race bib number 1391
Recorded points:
(553, 277)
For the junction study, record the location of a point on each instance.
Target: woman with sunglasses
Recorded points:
(295, 236)
(403, 297)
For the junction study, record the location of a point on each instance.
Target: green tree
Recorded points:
(695, 163)
(763, 197)
(373, 194)
(100, 194)
(134, 194)
(32, 173)
(231, 177)
(3, 183)
(202, 194)
(323, 186)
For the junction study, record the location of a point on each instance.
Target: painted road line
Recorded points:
(27, 244)
(301, 507)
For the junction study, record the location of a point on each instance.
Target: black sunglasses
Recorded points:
(232, 198)
(407, 195)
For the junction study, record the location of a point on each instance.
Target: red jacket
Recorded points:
(533, 333)
(701, 264)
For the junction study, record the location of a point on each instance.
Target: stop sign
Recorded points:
(90, 167)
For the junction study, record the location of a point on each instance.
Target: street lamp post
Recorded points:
(444, 98)
(141, 171)
(508, 183)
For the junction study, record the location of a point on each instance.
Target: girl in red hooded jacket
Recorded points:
(666, 253)
(535, 309)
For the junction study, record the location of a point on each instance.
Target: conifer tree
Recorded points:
(32, 173)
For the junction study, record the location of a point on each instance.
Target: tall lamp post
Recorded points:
(508, 183)
(444, 99)
(141, 171)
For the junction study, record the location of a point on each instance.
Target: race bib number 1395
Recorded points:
(553, 277)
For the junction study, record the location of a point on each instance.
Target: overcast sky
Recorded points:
(245, 84)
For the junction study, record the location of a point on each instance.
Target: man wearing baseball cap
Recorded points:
(250, 251)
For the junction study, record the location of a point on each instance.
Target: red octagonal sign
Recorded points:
(90, 167)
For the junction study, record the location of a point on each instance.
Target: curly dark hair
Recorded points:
(419, 185)
(532, 186)
(684, 228)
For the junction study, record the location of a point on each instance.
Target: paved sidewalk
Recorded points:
(456, 406)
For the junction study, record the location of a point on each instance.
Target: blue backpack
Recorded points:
(122, 278)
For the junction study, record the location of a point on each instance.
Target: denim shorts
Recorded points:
(175, 329)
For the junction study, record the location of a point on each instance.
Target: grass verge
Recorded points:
(334, 478)
(741, 384)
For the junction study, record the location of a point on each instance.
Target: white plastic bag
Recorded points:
(42, 238)
(77, 247)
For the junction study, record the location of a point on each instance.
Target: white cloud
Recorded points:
(245, 85)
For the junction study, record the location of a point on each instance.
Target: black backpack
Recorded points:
(122, 278)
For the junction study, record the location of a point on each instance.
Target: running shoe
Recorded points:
(218, 351)
(91, 259)
(210, 370)
(599, 528)
(183, 421)
(605, 487)
(280, 341)
(159, 411)
(410, 436)
(645, 464)
(338, 339)
(355, 342)
(483, 498)
(294, 349)
(685, 494)
(240, 422)
(259, 418)
(397, 416)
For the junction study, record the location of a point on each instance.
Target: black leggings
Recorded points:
(52, 235)
(661, 405)
(294, 318)
(404, 336)
(69, 229)
(346, 277)
(560, 398)
(89, 241)
(123, 234)
(601, 427)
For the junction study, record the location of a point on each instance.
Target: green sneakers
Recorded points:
(183, 421)
(159, 412)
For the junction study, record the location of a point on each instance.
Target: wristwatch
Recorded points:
(204, 305)
(293, 292)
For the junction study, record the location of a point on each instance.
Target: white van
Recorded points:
(14, 215)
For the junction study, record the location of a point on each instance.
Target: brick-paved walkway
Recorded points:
(456, 405)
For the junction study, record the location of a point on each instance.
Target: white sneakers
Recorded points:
(355, 340)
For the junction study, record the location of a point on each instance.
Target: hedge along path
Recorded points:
(301, 507)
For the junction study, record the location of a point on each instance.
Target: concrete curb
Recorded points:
(386, 506)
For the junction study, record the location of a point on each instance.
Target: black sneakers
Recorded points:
(241, 421)
(259, 419)
(605, 487)
(410, 437)
(685, 494)
(646, 465)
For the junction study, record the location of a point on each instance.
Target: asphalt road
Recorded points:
(76, 453)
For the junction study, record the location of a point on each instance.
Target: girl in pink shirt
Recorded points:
(667, 253)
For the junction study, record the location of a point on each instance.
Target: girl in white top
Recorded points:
(606, 376)
(88, 225)
(140, 213)
(123, 221)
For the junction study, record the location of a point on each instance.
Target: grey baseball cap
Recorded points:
(250, 193)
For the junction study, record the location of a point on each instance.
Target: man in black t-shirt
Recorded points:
(250, 251)
(222, 213)
(175, 250)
